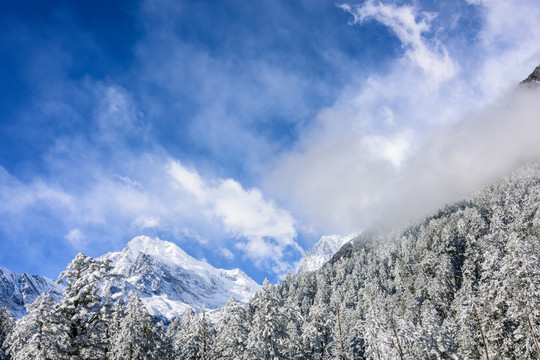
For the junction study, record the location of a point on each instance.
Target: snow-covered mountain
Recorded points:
(322, 251)
(19, 290)
(533, 80)
(168, 280)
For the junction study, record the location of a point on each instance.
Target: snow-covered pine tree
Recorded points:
(317, 331)
(109, 324)
(137, 337)
(80, 308)
(521, 269)
(37, 335)
(189, 336)
(172, 339)
(268, 325)
(231, 332)
(7, 324)
(206, 336)
(292, 342)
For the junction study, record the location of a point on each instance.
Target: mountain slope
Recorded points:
(322, 251)
(431, 285)
(169, 281)
(533, 80)
(19, 290)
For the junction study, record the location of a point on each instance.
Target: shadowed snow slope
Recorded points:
(168, 280)
(19, 290)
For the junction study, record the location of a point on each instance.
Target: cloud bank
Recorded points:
(430, 131)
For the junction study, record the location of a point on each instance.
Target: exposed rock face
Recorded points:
(20, 290)
(533, 80)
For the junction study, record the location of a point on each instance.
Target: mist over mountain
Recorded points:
(253, 137)
(462, 282)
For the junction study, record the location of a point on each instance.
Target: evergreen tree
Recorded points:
(317, 331)
(206, 337)
(292, 342)
(80, 308)
(7, 324)
(137, 337)
(173, 341)
(36, 335)
(110, 326)
(268, 325)
(231, 332)
(189, 336)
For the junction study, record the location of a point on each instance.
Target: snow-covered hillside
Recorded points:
(322, 251)
(17, 291)
(169, 281)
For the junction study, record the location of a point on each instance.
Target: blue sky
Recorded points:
(244, 130)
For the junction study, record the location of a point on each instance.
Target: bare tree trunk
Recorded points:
(204, 333)
(397, 338)
(532, 333)
(106, 350)
(481, 332)
(343, 357)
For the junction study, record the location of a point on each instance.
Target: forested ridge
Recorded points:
(461, 284)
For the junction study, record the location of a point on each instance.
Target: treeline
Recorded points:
(462, 284)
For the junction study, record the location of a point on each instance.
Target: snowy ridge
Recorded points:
(533, 80)
(322, 252)
(17, 291)
(169, 281)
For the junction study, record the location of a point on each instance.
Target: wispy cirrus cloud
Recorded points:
(409, 25)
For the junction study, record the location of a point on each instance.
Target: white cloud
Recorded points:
(394, 148)
(128, 181)
(227, 254)
(16, 196)
(189, 179)
(115, 115)
(508, 43)
(264, 232)
(143, 222)
(166, 197)
(192, 234)
(341, 187)
(431, 57)
(76, 238)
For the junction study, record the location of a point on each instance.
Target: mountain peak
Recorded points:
(155, 247)
(322, 251)
(168, 280)
(163, 251)
(533, 80)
